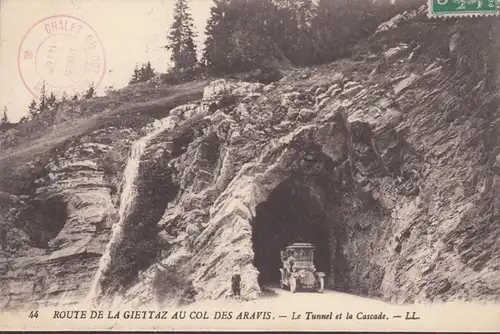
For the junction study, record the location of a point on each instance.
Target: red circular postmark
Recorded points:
(64, 52)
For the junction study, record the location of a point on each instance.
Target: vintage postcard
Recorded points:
(250, 165)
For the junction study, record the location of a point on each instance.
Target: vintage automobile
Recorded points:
(303, 273)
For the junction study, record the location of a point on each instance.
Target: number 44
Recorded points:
(33, 314)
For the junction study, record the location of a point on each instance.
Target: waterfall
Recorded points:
(126, 199)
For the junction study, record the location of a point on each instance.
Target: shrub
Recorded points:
(142, 74)
(173, 284)
(130, 255)
(108, 90)
(179, 76)
(114, 160)
(264, 75)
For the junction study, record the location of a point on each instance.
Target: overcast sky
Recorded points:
(130, 31)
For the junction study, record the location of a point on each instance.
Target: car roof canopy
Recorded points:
(301, 245)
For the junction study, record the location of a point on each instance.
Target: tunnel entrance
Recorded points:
(293, 212)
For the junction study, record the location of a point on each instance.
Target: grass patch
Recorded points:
(40, 142)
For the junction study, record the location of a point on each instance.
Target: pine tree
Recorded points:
(135, 76)
(90, 93)
(294, 34)
(33, 108)
(181, 37)
(302, 11)
(241, 35)
(147, 72)
(24, 119)
(43, 99)
(340, 24)
(217, 43)
(5, 118)
(51, 100)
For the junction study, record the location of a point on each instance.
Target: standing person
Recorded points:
(236, 285)
(383, 62)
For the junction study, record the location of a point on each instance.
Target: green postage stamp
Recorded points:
(463, 7)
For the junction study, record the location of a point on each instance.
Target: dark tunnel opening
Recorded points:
(292, 213)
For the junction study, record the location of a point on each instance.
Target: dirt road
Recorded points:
(276, 310)
(275, 298)
(331, 310)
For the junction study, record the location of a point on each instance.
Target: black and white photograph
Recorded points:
(250, 165)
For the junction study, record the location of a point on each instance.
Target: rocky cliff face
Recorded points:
(390, 170)
(54, 234)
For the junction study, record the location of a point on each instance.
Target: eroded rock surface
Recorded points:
(390, 212)
(53, 236)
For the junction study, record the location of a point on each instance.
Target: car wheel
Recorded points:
(321, 286)
(293, 285)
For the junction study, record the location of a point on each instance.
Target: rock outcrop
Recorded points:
(54, 236)
(394, 187)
